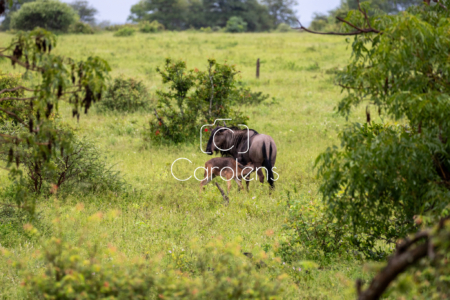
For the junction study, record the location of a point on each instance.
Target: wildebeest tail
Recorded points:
(267, 164)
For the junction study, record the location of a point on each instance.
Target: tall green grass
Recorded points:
(159, 213)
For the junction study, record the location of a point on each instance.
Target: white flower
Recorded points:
(170, 251)
(253, 198)
(284, 263)
(182, 249)
(299, 269)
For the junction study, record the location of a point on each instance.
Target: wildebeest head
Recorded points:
(220, 140)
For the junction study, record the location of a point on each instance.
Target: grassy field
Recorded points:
(160, 213)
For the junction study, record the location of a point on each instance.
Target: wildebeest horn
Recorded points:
(225, 125)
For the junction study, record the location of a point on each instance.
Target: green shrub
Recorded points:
(177, 113)
(147, 27)
(313, 234)
(116, 27)
(195, 98)
(236, 24)
(283, 27)
(81, 27)
(11, 81)
(48, 14)
(125, 31)
(82, 268)
(79, 168)
(125, 95)
(51, 78)
(319, 24)
(206, 30)
(12, 220)
(247, 97)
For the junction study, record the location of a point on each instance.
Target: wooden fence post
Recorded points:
(257, 68)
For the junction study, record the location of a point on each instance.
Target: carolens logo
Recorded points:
(227, 166)
(244, 172)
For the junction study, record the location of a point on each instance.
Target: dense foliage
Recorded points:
(81, 27)
(196, 98)
(236, 24)
(281, 11)
(176, 14)
(385, 174)
(283, 27)
(55, 78)
(85, 12)
(79, 168)
(329, 21)
(392, 176)
(84, 268)
(11, 7)
(7, 83)
(125, 95)
(312, 234)
(48, 14)
(125, 31)
(150, 27)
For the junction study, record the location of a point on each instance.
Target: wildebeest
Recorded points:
(226, 167)
(246, 146)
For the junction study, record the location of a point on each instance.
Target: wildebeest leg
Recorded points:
(261, 175)
(205, 181)
(239, 184)
(228, 185)
(247, 183)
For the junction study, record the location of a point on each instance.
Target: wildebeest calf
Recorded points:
(226, 167)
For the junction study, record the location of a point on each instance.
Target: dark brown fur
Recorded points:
(228, 168)
(247, 147)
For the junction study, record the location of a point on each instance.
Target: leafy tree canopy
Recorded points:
(48, 79)
(236, 24)
(322, 21)
(47, 14)
(392, 176)
(87, 13)
(281, 11)
(389, 172)
(183, 14)
(11, 7)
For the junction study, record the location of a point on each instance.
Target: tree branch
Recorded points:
(359, 30)
(407, 254)
(14, 115)
(22, 64)
(15, 98)
(327, 33)
(16, 88)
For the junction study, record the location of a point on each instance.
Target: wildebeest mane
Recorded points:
(240, 138)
